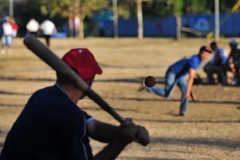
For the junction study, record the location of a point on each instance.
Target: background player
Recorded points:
(176, 75)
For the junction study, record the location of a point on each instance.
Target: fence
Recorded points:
(166, 26)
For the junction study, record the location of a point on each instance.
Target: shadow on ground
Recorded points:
(170, 100)
(160, 80)
(11, 105)
(188, 121)
(153, 158)
(13, 93)
(198, 141)
(26, 79)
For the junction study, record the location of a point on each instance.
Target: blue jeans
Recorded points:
(7, 40)
(171, 80)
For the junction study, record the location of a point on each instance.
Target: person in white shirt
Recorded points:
(32, 27)
(215, 65)
(48, 29)
(6, 34)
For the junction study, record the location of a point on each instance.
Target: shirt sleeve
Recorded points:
(223, 55)
(193, 62)
(88, 117)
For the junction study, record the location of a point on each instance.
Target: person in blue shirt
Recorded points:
(177, 75)
(52, 126)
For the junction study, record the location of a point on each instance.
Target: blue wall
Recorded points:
(166, 26)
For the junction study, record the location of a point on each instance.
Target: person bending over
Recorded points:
(182, 74)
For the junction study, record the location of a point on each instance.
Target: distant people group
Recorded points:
(47, 28)
(222, 62)
(32, 27)
(8, 30)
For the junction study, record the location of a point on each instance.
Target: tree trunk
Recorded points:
(140, 19)
(81, 27)
(115, 22)
(178, 28)
(77, 23)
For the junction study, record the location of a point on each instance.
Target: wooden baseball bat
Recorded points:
(44, 53)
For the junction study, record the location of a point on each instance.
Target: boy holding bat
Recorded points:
(52, 126)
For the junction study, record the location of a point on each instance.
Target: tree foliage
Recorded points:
(67, 7)
(157, 8)
(126, 8)
(3, 8)
(60, 10)
(162, 8)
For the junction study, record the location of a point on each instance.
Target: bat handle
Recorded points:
(96, 98)
(104, 105)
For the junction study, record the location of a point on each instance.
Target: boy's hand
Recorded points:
(188, 96)
(142, 136)
(128, 131)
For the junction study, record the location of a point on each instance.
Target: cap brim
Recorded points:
(99, 69)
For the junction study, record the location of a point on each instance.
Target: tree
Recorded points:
(85, 8)
(159, 8)
(206, 6)
(3, 8)
(68, 8)
(126, 9)
(139, 14)
(140, 18)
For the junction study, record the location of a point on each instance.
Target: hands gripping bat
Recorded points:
(61, 67)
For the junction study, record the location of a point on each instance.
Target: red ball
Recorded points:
(150, 81)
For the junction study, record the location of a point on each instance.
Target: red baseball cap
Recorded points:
(82, 60)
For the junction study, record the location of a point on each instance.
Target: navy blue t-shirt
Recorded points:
(50, 127)
(182, 67)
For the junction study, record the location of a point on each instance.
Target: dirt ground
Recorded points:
(209, 131)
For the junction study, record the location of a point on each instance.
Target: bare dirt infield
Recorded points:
(209, 131)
